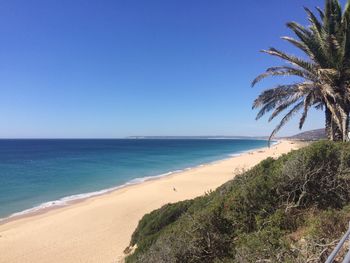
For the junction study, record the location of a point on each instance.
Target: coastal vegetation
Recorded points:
(292, 209)
(321, 75)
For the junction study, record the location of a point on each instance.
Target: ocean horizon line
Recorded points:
(263, 137)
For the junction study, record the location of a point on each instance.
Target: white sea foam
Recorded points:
(69, 199)
(251, 150)
(236, 154)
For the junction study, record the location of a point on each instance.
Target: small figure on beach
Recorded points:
(174, 189)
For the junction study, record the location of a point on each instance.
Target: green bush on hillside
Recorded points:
(150, 227)
(285, 210)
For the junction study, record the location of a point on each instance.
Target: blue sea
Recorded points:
(35, 174)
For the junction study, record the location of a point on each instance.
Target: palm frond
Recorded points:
(313, 19)
(278, 110)
(308, 66)
(307, 104)
(320, 12)
(283, 71)
(286, 118)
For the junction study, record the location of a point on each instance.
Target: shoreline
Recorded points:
(77, 198)
(99, 228)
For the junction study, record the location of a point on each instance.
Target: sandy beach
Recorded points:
(98, 229)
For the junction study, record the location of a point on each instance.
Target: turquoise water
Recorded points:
(42, 173)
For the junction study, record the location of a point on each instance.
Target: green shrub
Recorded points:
(152, 223)
(317, 175)
(266, 245)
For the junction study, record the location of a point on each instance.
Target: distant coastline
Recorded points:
(200, 137)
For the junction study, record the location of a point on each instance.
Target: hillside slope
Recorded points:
(287, 210)
(312, 135)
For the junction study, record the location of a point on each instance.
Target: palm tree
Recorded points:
(324, 74)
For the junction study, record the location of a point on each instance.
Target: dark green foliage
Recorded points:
(285, 210)
(151, 225)
(317, 176)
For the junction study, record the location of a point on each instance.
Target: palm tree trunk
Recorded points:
(328, 125)
(345, 126)
(337, 133)
(333, 132)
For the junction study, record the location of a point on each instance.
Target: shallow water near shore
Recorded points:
(36, 174)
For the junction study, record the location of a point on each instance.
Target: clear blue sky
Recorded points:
(80, 68)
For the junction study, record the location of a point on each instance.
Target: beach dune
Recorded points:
(98, 229)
